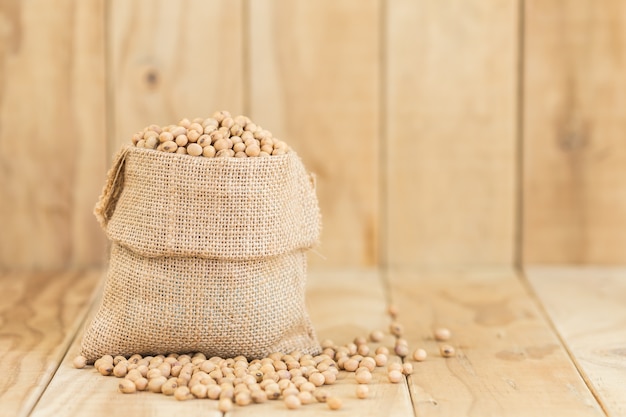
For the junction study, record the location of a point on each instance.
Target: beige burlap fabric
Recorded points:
(208, 255)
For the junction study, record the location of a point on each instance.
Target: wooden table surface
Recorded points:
(549, 341)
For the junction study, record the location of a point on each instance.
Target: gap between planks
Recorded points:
(544, 309)
(586, 306)
(39, 322)
(509, 360)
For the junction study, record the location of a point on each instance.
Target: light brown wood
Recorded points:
(170, 60)
(508, 360)
(587, 308)
(346, 303)
(450, 136)
(39, 315)
(573, 132)
(314, 82)
(53, 133)
(342, 305)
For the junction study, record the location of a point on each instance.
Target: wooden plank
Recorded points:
(342, 305)
(450, 136)
(314, 82)
(53, 135)
(587, 308)
(84, 392)
(574, 121)
(169, 61)
(508, 360)
(39, 315)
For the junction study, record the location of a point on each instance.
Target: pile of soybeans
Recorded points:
(298, 379)
(218, 136)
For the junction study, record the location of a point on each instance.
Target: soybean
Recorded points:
(228, 136)
(79, 362)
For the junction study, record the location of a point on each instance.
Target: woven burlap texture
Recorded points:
(230, 208)
(208, 255)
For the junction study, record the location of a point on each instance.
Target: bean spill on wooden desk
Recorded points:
(299, 379)
(221, 135)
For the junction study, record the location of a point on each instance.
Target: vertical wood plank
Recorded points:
(314, 82)
(450, 136)
(38, 322)
(170, 60)
(52, 133)
(574, 123)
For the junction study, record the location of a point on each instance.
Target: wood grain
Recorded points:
(314, 82)
(573, 132)
(39, 316)
(587, 308)
(509, 362)
(405, 110)
(170, 60)
(450, 136)
(52, 133)
(342, 305)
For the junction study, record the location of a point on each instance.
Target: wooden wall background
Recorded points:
(455, 132)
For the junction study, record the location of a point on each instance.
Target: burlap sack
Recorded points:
(208, 255)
